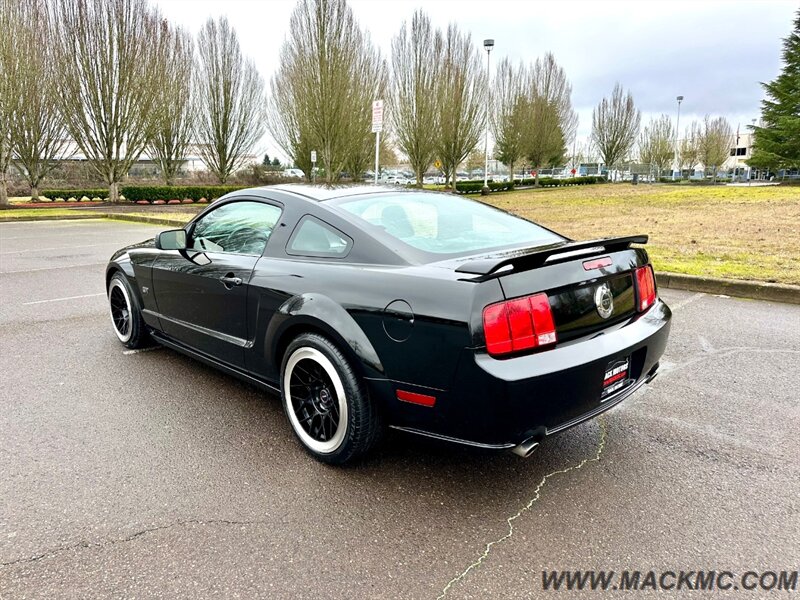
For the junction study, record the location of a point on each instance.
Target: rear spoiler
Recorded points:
(532, 258)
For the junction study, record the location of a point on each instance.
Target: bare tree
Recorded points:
(106, 50)
(550, 122)
(461, 96)
(9, 66)
(508, 119)
(38, 132)
(715, 142)
(230, 100)
(656, 144)
(550, 82)
(615, 125)
(388, 155)
(369, 82)
(413, 99)
(174, 114)
(322, 93)
(543, 139)
(284, 119)
(689, 154)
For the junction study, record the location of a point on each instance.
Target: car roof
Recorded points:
(321, 193)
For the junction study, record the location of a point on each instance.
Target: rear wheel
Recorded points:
(326, 402)
(126, 315)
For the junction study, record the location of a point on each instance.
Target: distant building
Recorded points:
(741, 150)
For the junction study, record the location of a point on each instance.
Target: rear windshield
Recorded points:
(445, 224)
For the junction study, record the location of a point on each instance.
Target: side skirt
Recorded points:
(203, 358)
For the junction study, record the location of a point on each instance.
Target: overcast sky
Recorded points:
(713, 53)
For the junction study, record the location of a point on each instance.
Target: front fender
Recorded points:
(317, 311)
(121, 261)
(136, 265)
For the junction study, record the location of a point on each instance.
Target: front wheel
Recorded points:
(126, 315)
(325, 401)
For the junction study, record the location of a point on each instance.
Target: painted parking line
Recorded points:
(140, 350)
(686, 301)
(63, 299)
(94, 264)
(59, 248)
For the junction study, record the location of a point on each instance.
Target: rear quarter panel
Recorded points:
(424, 346)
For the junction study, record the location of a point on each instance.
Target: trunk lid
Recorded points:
(590, 285)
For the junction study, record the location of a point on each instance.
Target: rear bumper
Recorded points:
(499, 403)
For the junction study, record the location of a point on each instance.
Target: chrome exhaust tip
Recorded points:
(526, 448)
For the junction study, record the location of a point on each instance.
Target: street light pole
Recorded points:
(677, 132)
(488, 45)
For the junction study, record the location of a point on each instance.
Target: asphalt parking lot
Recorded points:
(150, 475)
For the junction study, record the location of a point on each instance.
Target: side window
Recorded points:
(313, 237)
(237, 228)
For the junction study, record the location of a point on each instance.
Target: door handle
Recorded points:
(230, 280)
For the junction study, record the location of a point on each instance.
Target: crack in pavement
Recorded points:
(536, 495)
(133, 536)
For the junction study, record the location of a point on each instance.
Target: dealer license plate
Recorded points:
(616, 377)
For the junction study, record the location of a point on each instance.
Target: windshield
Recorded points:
(444, 224)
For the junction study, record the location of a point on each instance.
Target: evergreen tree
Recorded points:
(266, 162)
(276, 162)
(777, 139)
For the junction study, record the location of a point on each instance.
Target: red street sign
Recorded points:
(573, 171)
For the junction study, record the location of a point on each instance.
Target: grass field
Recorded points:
(732, 232)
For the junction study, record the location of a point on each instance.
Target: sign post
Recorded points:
(377, 127)
(313, 166)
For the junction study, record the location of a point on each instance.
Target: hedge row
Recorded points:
(134, 193)
(77, 194)
(566, 182)
(692, 181)
(472, 187)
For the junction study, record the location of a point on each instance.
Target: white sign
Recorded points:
(313, 156)
(377, 116)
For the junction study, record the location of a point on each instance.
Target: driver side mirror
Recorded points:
(174, 239)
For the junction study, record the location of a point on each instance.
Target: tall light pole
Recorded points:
(488, 45)
(677, 132)
(750, 145)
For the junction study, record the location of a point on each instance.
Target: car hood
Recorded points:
(149, 243)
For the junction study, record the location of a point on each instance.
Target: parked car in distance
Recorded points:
(368, 307)
(296, 173)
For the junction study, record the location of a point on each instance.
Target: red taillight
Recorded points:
(646, 287)
(519, 324)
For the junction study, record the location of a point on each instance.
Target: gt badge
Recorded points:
(604, 301)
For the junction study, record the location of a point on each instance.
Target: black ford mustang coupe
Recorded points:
(368, 307)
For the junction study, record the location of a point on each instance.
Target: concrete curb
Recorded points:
(757, 290)
(109, 216)
(50, 218)
(149, 220)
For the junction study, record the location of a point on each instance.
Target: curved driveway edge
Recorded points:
(757, 290)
